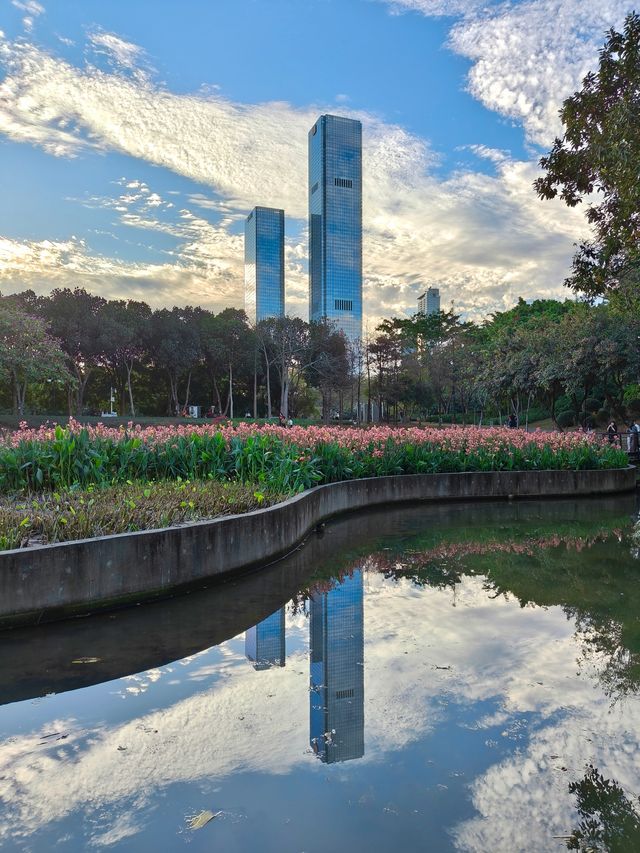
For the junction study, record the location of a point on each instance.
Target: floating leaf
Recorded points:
(202, 819)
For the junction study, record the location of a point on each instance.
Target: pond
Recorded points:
(454, 677)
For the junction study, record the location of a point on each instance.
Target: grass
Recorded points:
(47, 517)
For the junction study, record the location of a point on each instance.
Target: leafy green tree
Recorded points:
(28, 353)
(74, 319)
(327, 363)
(598, 161)
(174, 347)
(235, 346)
(126, 325)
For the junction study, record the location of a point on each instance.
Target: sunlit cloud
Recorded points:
(485, 239)
(526, 57)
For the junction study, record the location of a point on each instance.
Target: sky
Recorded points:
(135, 137)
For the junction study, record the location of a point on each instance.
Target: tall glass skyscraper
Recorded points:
(264, 264)
(337, 671)
(335, 223)
(264, 644)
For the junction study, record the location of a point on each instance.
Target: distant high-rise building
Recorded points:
(335, 223)
(429, 301)
(264, 264)
(264, 644)
(337, 672)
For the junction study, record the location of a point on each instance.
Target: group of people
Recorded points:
(633, 432)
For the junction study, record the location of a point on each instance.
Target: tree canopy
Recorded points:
(597, 161)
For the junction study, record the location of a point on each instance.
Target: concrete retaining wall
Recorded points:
(55, 581)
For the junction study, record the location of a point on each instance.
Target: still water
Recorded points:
(462, 677)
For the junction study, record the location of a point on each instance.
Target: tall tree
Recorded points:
(598, 161)
(127, 327)
(74, 319)
(174, 347)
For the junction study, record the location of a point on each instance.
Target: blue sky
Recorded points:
(135, 137)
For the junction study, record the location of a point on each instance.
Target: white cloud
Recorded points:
(121, 54)
(528, 56)
(29, 6)
(484, 239)
(32, 9)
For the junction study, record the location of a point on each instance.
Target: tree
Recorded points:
(74, 318)
(236, 343)
(126, 326)
(600, 153)
(28, 353)
(174, 347)
(289, 342)
(327, 362)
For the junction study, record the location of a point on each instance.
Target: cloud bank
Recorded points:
(485, 239)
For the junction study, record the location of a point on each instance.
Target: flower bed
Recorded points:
(285, 460)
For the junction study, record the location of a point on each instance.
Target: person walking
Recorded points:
(612, 431)
(634, 435)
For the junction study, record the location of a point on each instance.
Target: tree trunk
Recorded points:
(268, 377)
(173, 393)
(218, 397)
(129, 367)
(20, 393)
(284, 395)
(186, 396)
(255, 386)
(231, 390)
(82, 384)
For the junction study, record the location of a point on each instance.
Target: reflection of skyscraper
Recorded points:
(264, 643)
(335, 223)
(337, 672)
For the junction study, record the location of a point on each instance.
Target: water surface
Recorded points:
(461, 677)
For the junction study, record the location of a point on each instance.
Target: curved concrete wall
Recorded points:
(55, 581)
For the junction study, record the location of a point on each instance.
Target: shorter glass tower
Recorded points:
(264, 264)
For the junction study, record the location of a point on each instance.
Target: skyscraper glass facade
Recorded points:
(335, 223)
(337, 671)
(264, 264)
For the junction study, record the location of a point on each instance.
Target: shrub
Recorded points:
(566, 419)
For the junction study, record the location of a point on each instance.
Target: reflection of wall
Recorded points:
(337, 672)
(264, 643)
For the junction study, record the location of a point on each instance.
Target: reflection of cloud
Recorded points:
(485, 239)
(495, 649)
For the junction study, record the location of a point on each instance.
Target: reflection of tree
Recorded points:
(583, 567)
(610, 820)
